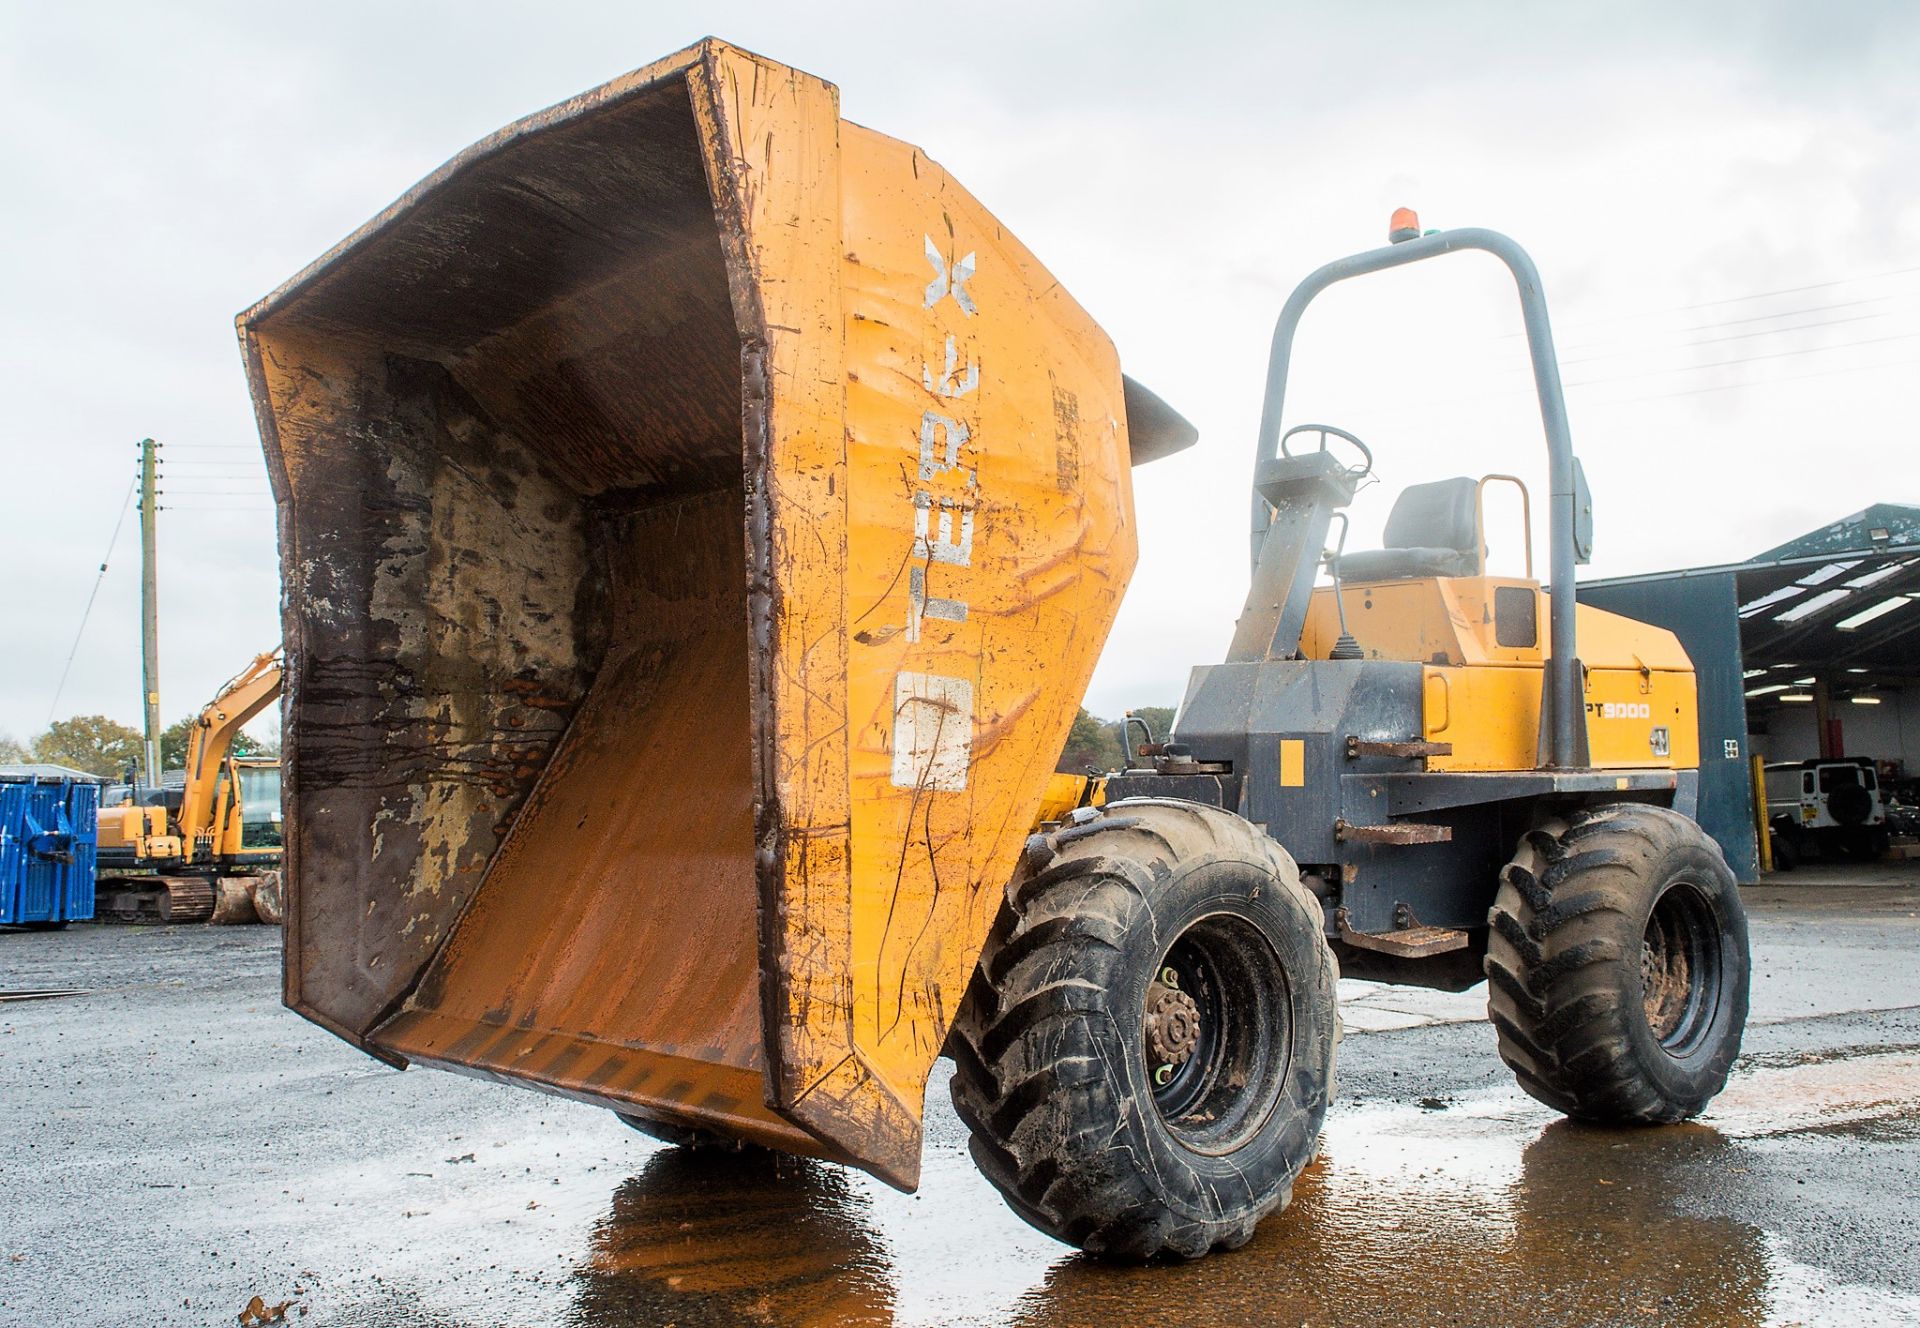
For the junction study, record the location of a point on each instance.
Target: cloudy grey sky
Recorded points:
(1724, 200)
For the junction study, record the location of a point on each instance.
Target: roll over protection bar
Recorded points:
(1561, 702)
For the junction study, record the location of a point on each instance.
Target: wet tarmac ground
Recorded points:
(173, 1143)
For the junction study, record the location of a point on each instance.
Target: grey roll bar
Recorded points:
(1562, 701)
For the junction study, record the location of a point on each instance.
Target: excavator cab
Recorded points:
(192, 851)
(258, 784)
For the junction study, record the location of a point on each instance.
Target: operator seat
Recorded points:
(1433, 530)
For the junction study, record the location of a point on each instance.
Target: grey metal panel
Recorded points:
(1303, 492)
(1418, 792)
(1242, 713)
(1208, 789)
(1686, 793)
(1703, 612)
(1449, 884)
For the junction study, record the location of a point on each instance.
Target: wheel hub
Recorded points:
(1173, 1020)
(1666, 976)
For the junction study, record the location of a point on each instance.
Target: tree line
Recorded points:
(106, 747)
(1094, 743)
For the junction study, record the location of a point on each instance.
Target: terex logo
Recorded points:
(1620, 709)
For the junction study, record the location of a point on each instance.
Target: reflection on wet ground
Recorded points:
(1484, 1210)
(189, 1144)
(728, 1238)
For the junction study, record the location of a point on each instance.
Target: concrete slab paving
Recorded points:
(176, 1143)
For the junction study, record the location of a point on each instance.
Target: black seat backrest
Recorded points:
(1440, 515)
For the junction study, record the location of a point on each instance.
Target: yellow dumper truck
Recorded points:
(700, 519)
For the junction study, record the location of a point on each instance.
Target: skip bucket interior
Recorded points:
(662, 716)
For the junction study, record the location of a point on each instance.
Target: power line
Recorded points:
(1790, 313)
(1421, 408)
(1512, 370)
(1743, 359)
(1782, 331)
(87, 612)
(1735, 387)
(1714, 325)
(1731, 299)
(1796, 290)
(1735, 336)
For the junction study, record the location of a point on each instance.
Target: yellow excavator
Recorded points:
(208, 850)
(700, 519)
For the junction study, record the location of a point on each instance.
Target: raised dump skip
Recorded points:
(699, 519)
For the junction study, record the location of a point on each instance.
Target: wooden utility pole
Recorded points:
(149, 607)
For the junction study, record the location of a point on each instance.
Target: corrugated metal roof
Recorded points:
(47, 770)
(1880, 526)
(1841, 601)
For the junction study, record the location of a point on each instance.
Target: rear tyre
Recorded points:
(1617, 965)
(1785, 856)
(1145, 1055)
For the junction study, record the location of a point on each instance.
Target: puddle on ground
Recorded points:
(1488, 1211)
(1479, 1209)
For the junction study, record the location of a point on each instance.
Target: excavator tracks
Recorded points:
(154, 899)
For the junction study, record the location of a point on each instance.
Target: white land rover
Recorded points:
(1830, 807)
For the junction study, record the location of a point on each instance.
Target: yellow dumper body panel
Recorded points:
(699, 521)
(1484, 642)
(1435, 620)
(1066, 792)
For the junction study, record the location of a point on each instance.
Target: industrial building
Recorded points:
(1809, 649)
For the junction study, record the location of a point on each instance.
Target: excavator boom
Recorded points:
(254, 689)
(177, 861)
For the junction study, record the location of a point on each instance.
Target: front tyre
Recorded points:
(1617, 965)
(1145, 1056)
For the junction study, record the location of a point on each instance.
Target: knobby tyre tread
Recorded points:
(1565, 965)
(1049, 1074)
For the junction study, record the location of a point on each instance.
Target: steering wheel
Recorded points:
(1359, 472)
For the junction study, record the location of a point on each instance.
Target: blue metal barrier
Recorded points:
(48, 842)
